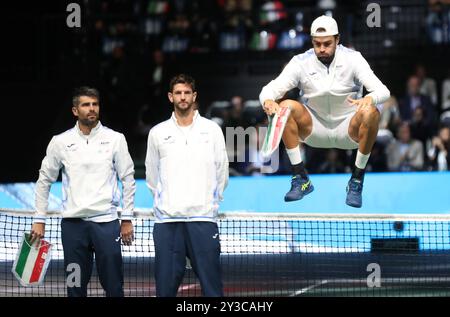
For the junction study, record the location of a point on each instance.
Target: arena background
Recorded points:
(43, 60)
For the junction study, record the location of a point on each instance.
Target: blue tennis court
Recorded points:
(315, 247)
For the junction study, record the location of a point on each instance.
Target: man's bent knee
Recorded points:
(370, 114)
(293, 104)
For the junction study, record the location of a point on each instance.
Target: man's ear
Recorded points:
(194, 96)
(75, 111)
(337, 39)
(170, 96)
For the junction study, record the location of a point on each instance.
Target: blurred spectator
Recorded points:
(414, 99)
(272, 15)
(117, 72)
(437, 21)
(263, 41)
(179, 24)
(439, 152)
(253, 113)
(219, 109)
(377, 160)
(445, 117)
(427, 85)
(179, 6)
(292, 40)
(420, 129)
(404, 154)
(326, 5)
(156, 73)
(157, 7)
(204, 33)
(159, 75)
(389, 120)
(235, 114)
(446, 93)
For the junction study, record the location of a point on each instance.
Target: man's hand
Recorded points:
(271, 107)
(37, 231)
(362, 103)
(127, 232)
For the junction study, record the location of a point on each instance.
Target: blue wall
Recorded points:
(383, 193)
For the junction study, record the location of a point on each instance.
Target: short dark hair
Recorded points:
(84, 91)
(182, 79)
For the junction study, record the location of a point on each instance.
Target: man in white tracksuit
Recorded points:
(332, 112)
(187, 172)
(92, 157)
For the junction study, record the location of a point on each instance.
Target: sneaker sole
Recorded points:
(310, 190)
(353, 205)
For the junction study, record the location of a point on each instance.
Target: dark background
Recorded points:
(42, 61)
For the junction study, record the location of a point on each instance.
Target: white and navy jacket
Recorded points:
(325, 89)
(186, 170)
(91, 165)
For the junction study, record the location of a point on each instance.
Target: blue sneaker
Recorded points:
(354, 193)
(299, 188)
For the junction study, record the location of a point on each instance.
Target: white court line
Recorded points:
(306, 289)
(188, 286)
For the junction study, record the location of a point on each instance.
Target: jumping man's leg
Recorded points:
(363, 129)
(298, 125)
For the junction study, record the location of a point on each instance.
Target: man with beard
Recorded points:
(331, 112)
(187, 172)
(92, 157)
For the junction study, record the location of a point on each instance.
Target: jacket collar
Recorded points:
(196, 116)
(94, 130)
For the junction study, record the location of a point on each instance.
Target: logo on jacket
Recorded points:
(313, 73)
(104, 142)
(167, 138)
(70, 145)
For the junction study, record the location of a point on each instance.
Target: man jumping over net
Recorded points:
(332, 112)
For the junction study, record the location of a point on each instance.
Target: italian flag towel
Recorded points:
(277, 123)
(31, 261)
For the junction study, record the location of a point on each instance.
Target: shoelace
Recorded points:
(355, 186)
(297, 181)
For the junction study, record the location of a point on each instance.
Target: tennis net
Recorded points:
(273, 254)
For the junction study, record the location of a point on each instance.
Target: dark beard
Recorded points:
(184, 111)
(89, 123)
(326, 60)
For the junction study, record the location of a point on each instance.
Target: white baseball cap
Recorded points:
(327, 23)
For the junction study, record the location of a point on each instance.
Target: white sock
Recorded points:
(294, 155)
(361, 160)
